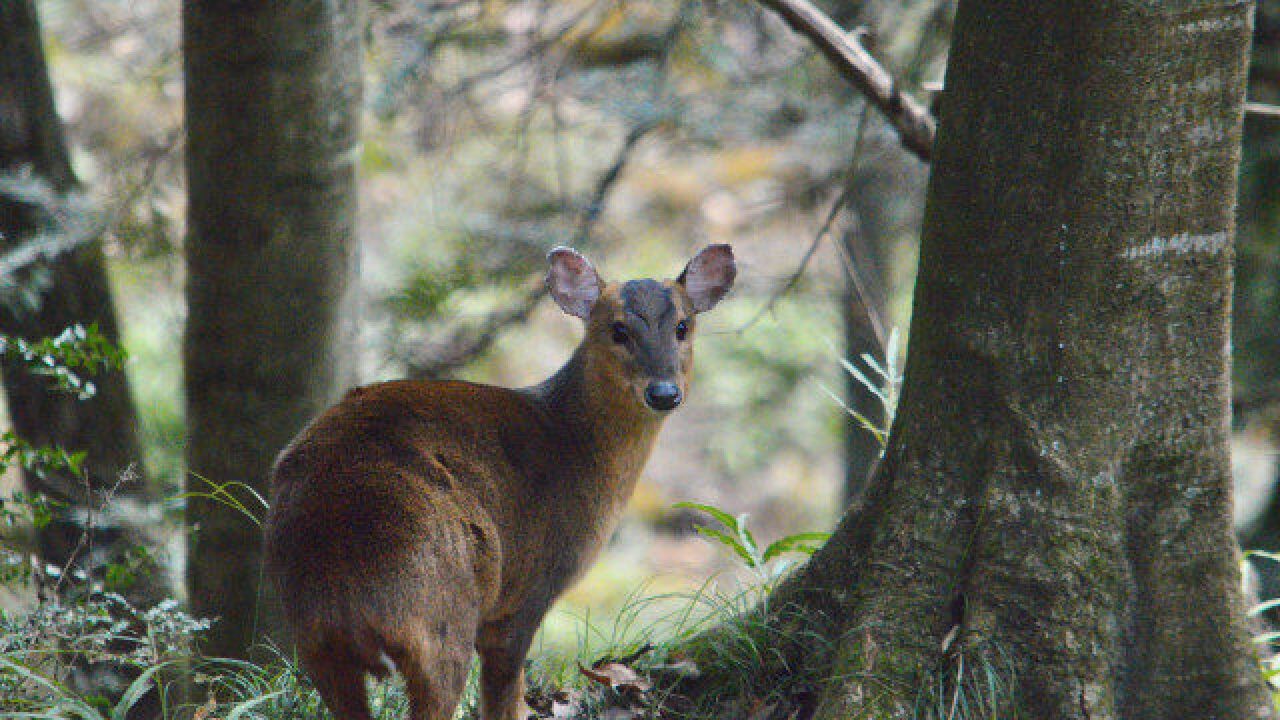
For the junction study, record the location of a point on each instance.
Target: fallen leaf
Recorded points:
(566, 704)
(617, 676)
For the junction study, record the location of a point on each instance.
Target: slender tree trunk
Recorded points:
(273, 105)
(60, 288)
(861, 447)
(886, 190)
(867, 244)
(1052, 513)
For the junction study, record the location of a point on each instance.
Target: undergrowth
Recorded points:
(86, 653)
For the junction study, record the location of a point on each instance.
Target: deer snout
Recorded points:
(662, 395)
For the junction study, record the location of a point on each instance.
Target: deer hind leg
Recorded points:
(339, 678)
(502, 653)
(434, 666)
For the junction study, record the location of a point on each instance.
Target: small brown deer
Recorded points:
(416, 521)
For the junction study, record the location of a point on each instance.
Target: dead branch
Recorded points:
(913, 122)
(1262, 109)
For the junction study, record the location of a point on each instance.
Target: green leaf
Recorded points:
(873, 388)
(728, 541)
(136, 690)
(891, 349)
(245, 707)
(723, 517)
(807, 543)
(748, 540)
(1263, 554)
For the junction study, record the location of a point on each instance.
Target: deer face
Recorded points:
(641, 331)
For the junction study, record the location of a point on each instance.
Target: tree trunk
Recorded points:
(272, 108)
(885, 190)
(65, 284)
(1052, 514)
(861, 447)
(867, 243)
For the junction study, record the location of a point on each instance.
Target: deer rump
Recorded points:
(380, 538)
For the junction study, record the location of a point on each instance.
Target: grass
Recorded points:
(40, 677)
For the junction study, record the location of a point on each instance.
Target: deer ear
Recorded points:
(573, 282)
(708, 276)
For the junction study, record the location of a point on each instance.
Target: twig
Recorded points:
(790, 284)
(84, 545)
(465, 344)
(839, 204)
(915, 126)
(591, 213)
(461, 348)
(1262, 109)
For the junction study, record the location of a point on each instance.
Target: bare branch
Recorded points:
(1262, 109)
(465, 344)
(915, 125)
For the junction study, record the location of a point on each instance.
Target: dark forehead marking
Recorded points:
(649, 299)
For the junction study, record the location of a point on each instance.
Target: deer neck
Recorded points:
(600, 418)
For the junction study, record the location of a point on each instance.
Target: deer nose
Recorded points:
(662, 395)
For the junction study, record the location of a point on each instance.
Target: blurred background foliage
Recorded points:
(636, 131)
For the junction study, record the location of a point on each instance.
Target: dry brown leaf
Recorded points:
(565, 704)
(617, 676)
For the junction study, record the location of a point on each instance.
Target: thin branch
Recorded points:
(1262, 109)
(591, 213)
(915, 125)
(465, 344)
(794, 279)
(841, 202)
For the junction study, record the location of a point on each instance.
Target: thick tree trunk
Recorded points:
(60, 288)
(1053, 508)
(273, 105)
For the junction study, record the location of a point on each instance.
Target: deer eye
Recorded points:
(682, 330)
(619, 332)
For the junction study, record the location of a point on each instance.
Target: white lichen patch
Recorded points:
(1179, 244)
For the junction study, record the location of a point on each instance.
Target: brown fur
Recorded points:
(416, 521)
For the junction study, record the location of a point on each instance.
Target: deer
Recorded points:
(417, 522)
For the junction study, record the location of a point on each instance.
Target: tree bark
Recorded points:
(272, 108)
(63, 285)
(1053, 508)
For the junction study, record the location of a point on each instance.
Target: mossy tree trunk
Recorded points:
(63, 283)
(1053, 507)
(272, 108)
